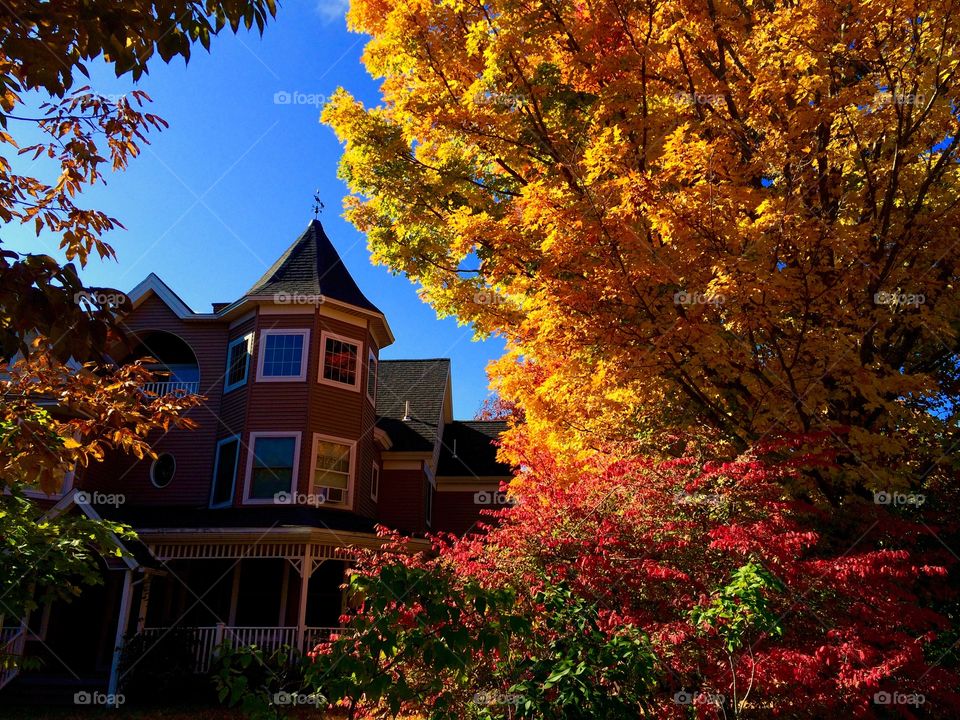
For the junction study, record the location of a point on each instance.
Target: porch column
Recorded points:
(234, 595)
(306, 569)
(122, 620)
(144, 602)
(284, 583)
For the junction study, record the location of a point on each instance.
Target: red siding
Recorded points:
(457, 512)
(401, 500)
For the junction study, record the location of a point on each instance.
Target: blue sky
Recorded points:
(228, 186)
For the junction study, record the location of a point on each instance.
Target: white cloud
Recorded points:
(332, 10)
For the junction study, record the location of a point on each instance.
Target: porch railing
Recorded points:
(166, 388)
(207, 640)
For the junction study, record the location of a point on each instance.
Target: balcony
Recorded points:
(171, 359)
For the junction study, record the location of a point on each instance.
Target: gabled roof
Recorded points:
(424, 384)
(469, 451)
(312, 266)
(153, 285)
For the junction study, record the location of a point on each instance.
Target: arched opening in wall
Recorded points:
(172, 361)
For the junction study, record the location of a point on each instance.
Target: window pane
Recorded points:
(340, 361)
(282, 355)
(332, 466)
(226, 471)
(237, 363)
(272, 467)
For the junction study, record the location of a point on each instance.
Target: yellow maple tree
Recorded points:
(737, 217)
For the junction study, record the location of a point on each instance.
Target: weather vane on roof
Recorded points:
(317, 205)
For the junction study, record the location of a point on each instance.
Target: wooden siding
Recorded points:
(401, 500)
(457, 512)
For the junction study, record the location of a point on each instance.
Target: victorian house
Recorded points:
(306, 441)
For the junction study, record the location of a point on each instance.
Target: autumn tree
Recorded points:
(739, 217)
(62, 405)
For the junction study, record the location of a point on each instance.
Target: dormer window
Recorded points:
(282, 355)
(341, 361)
(238, 362)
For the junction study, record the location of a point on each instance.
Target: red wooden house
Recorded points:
(306, 441)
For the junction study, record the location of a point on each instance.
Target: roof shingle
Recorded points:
(424, 384)
(469, 449)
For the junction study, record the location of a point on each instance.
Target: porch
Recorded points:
(232, 591)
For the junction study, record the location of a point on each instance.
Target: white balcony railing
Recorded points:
(208, 639)
(174, 387)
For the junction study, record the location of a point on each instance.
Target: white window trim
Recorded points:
(376, 363)
(216, 467)
(248, 338)
(358, 371)
(304, 359)
(248, 474)
(66, 487)
(318, 437)
(374, 486)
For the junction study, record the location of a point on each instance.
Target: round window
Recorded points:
(162, 470)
